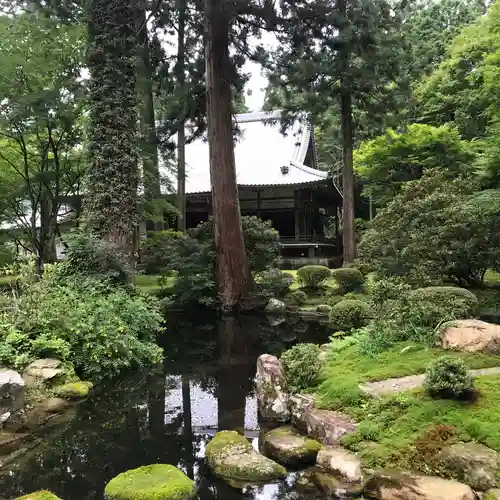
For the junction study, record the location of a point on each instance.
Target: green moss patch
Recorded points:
(39, 495)
(74, 390)
(151, 482)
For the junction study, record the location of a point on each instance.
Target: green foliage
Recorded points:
(262, 241)
(99, 329)
(93, 259)
(448, 378)
(299, 297)
(384, 164)
(349, 279)
(153, 250)
(302, 367)
(312, 276)
(435, 230)
(274, 283)
(350, 314)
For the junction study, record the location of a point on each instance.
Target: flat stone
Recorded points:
(470, 335)
(12, 388)
(401, 485)
(234, 459)
(340, 462)
(55, 405)
(299, 405)
(270, 389)
(328, 426)
(335, 487)
(44, 372)
(288, 447)
(472, 463)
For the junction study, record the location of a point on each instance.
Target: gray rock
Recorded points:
(324, 309)
(275, 306)
(12, 388)
(472, 463)
(298, 405)
(340, 462)
(288, 447)
(270, 389)
(234, 459)
(44, 372)
(54, 405)
(335, 487)
(401, 485)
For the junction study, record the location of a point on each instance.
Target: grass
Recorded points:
(389, 426)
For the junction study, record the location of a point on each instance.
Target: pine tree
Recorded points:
(111, 198)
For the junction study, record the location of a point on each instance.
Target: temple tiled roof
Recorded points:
(264, 156)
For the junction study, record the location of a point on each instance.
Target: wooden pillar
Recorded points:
(296, 213)
(258, 203)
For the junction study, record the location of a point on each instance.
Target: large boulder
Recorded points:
(275, 306)
(341, 463)
(11, 393)
(288, 447)
(472, 463)
(270, 389)
(470, 335)
(39, 495)
(399, 485)
(45, 372)
(233, 458)
(329, 427)
(158, 481)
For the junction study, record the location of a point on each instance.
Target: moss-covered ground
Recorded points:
(398, 430)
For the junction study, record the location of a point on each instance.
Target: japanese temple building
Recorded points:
(278, 180)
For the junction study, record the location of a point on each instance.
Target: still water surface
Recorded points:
(166, 415)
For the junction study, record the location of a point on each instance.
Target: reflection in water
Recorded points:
(164, 416)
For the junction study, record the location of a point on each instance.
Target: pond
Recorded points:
(165, 415)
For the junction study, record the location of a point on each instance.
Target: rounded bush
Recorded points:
(348, 279)
(302, 366)
(350, 314)
(299, 297)
(312, 276)
(436, 304)
(449, 378)
(274, 283)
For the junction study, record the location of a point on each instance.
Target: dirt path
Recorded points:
(392, 385)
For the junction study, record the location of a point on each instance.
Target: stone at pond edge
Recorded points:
(470, 335)
(338, 461)
(324, 309)
(472, 463)
(288, 447)
(334, 486)
(45, 372)
(74, 390)
(54, 405)
(39, 495)
(11, 390)
(270, 389)
(233, 458)
(399, 485)
(157, 481)
(275, 306)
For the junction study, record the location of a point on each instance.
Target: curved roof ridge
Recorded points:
(321, 174)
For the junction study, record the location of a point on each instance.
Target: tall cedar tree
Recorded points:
(232, 269)
(340, 54)
(111, 199)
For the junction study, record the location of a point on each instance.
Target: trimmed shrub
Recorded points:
(312, 276)
(436, 304)
(448, 377)
(350, 314)
(274, 283)
(348, 279)
(302, 366)
(299, 297)
(154, 250)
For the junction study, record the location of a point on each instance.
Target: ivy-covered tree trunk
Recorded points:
(111, 191)
(181, 134)
(233, 272)
(149, 146)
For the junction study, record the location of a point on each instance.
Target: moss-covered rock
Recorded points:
(324, 309)
(233, 458)
(288, 447)
(334, 486)
(39, 495)
(493, 494)
(151, 482)
(74, 390)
